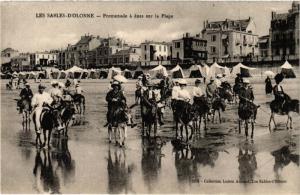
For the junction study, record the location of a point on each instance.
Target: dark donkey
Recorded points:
(247, 113)
(66, 114)
(48, 122)
(290, 105)
(149, 114)
(201, 106)
(185, 114)
(24, 108)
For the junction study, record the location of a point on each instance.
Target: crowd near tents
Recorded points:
(195, 71)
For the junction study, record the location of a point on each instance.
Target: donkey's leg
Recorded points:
(45, 138)
(291, 122)
(49, 137)
(109, 129)
(213, 117)
(219, 115)
(192, 131)
(273, 117)
(270, 121)
(246, 128)
(240, 126)
(252, 128)
(287, 122)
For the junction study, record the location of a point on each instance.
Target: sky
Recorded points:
(22, 30)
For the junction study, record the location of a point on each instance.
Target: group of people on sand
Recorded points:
(58, 93)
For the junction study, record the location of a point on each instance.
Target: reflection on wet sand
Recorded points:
(247, 162)
(283, 157)
(119, 173)
(151, 160)
(48, 165)
(65, 163)
(187, 160)
(46, 179)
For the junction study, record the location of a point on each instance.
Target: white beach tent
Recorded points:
(127, 74)
(158, 72)
(113, 72)
(205, 70)
(216, 69)
(177, 72)
(49, 72)
(195, 71)
(226, 71)
(287, 70)
(242, 69)
(74, 72)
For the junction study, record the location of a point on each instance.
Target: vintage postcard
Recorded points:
(161, 97)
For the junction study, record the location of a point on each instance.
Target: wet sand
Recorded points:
(87, 163)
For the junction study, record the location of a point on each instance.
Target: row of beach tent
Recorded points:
(195, 71)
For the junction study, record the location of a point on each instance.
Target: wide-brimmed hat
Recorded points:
(77, 85)
(182, 82)
(219, 75)
(61, 84)
(140, 77)
(115, 83)
(197, 81)
(246, 81)
(41, 86)
(212, 78)
(27, 84)
(54, 82)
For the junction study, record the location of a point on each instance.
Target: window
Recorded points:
(159, 48)
(213, 49)
(165, 48)
(145, 47)
(145, 57)
(213, 38)
(177, 44)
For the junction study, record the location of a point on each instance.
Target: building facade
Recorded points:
(41, 59)
(189, 49)
(153, 53)
(86, 44)
(264, 46)
(21, 62)
(230, 39)
(7, 54)
(284, 33)
(109, 46)
(126, 57)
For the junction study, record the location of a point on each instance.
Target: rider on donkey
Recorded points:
(184, 96)
(26, 94)
(38, 102)
(57, 97)
(238, 79)
(152, 100)
(197, 92)
(246, 95)
(115, 99)
(280, 96)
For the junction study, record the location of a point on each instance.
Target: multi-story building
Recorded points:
(40, 59)
(284, 33)
(264, 46)
(153, 53)
(61, 59)
(6, 56)
(83, 46)
(109, 46)
(230, 39)
(189, 49)
(21, 62)
(128, 57)
(71, 57)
